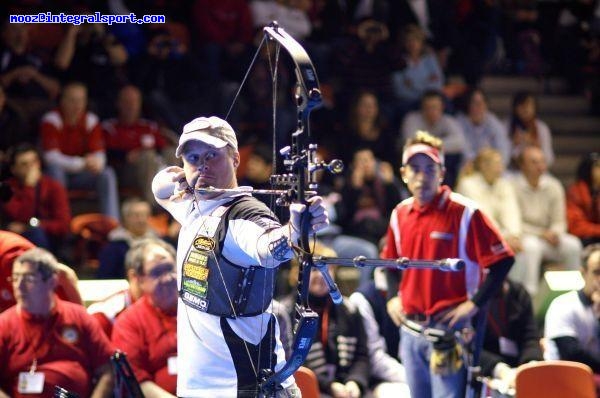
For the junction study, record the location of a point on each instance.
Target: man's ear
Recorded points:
(442, 173)
(402, 174)
(236, 159)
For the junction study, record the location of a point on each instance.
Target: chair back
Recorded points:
(307, 382)
(91, 233)
(555, 379)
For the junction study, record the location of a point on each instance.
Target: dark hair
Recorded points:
(44, 262)
(134, 259)
(587, 253)
(352, 115)
(20, 149)
(584, 169)
(465, 100)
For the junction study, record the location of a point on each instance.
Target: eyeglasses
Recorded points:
(161, 270)
(27, 277)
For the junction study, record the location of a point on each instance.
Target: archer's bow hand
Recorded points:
(317, 213)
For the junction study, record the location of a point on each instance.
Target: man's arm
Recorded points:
(569, 349)
(104, 386)
(152, 390)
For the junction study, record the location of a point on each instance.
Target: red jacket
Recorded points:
(583, 211)
(53, 208)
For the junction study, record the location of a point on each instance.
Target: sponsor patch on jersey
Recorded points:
(70, 334)
(204, 243)
(195, 272)
(197, 258)
(441, 235)
(198, 303)
(193, 286)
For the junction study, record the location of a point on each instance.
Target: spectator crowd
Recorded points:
(92, 112)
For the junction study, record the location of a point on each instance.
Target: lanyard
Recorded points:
(47, 328)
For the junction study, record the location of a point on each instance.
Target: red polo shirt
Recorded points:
(69, 347)
(149, 338)
(78, 140)
(433, 232)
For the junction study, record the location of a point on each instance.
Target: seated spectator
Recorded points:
(45, 342)
(431, 118)
(38, 209)
(365, 60)
(339, 355)
(422, 71)
(135, 226)
(74, 149)
(583, 201)
(91, 54)
(495, 195)
(14, 126)
(174, 84)
(366, 126)
(388, 377)
(571, 327)
(135, 145)
(370, 193)
(524, 128)
(482, 128)
(107, 310)
(25, 78)
(291, 15)
(12, 246)
(511, 335)
(223, 32)
(541, 199)
(147, 330)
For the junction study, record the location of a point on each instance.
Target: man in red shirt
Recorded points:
(135, 145)
(11, 247)
(74, 148)
(147, 330)
(45, 342)
(436, 223)
(38, 209)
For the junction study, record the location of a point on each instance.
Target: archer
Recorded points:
(229, 246)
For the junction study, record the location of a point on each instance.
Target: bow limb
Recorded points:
(300, 162)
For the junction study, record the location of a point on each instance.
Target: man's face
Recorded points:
(25, 162)
(492, 167)
(32, 293)
(136, 219)
(592, 273)
(207, 166)
(159, 278)
(533, 163)
(74, 101)
(477, 107)
(433, 109)
(423, 177)
(129, 104)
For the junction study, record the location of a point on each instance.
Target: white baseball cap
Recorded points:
(212, 130)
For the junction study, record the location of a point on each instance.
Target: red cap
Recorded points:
(435, 154)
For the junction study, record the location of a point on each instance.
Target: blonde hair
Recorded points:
(423, 137)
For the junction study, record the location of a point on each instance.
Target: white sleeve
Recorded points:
(558, 321)
(71, 164)
(163, 188)
(382, 364)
